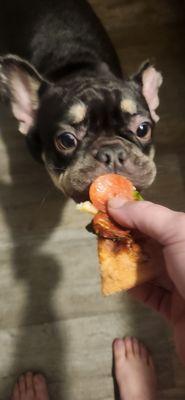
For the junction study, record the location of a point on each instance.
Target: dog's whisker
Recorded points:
(53, 168)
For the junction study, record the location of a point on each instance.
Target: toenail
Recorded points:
(115, 340)
(118, 344)
(127, 338)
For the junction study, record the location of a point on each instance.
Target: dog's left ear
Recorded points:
(20, 84)
(150, 80)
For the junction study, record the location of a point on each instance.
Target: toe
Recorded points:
(128, 342)
(22, 386)
(145, 355)
(29, 384)
(40, 386)
(29, 380)
(136, 346)
(15, 393)
(119, 350)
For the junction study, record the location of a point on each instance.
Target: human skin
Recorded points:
(166, 294)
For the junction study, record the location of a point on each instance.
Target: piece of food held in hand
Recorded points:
(123, 254)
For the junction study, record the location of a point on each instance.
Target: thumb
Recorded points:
(151, 219)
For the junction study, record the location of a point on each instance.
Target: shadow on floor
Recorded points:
(37, 348)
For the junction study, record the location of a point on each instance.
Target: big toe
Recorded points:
(119, 351)
(41, 389)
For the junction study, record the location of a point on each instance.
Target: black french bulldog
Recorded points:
(80, 116)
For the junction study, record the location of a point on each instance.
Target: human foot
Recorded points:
(134, 370)
(30, 387)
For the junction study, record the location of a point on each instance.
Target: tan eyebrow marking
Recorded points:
(77, 112)
(129, 106)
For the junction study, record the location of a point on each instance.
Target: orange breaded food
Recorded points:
(122, 266)
(124, 260)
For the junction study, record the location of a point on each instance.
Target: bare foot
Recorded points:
(134, 370)
(30, 387)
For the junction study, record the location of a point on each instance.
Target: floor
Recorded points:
(52, 316)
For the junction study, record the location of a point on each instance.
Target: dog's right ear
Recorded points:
(20, 84)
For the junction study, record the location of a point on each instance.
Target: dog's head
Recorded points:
(83, 127)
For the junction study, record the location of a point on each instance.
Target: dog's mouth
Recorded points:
(76, 180)
(83, 195)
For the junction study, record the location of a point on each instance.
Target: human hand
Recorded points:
(167, 227)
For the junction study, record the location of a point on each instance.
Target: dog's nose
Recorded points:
(112, 156)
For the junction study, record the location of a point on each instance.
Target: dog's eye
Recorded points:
(65, 141)
(141, 128)
(144, 131)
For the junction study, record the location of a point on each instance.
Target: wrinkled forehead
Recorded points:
(95, 103)
(107, 103)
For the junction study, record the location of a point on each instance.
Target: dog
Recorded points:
(80, 115)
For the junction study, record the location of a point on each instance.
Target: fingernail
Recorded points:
(116, 202)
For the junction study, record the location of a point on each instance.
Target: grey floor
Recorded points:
(52, 316)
